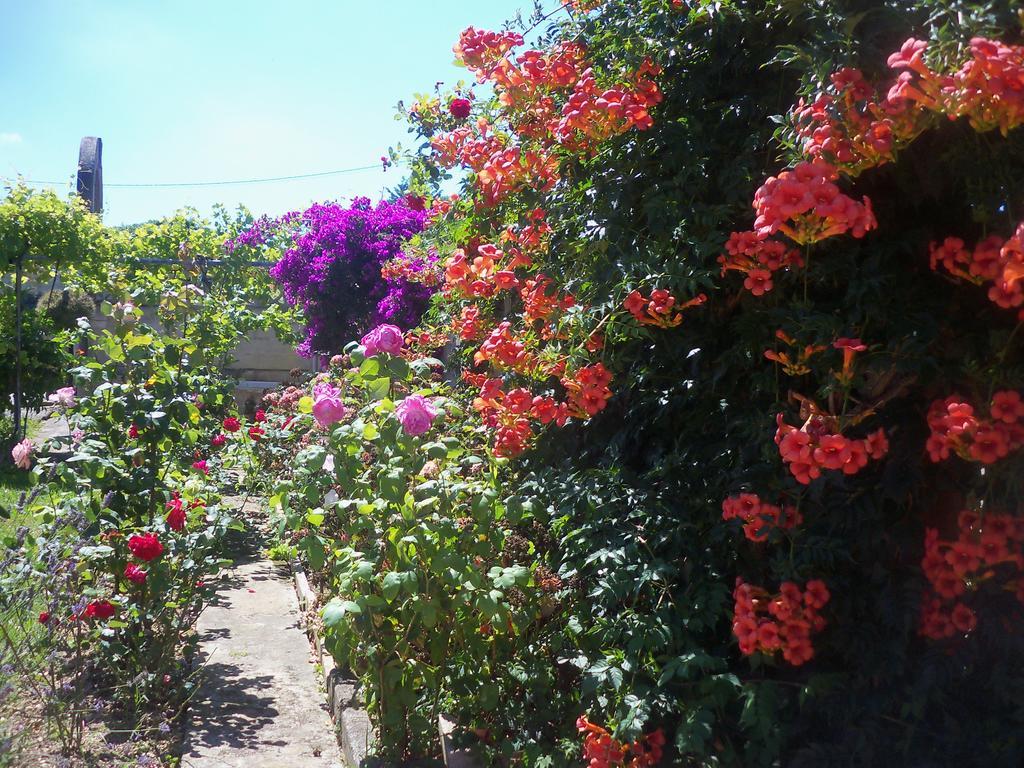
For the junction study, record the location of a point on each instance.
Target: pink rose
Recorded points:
(383, 338)
(63, 397)
(416, 414)
(22, 454)
(327, 406)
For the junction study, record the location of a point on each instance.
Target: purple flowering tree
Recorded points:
(331, 268)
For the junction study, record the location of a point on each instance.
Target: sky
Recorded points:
(212, 90)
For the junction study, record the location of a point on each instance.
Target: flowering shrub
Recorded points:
(552, 530)
(129, 533)
(332, 263)
(986, 553)
(401, 517)
(608, 184)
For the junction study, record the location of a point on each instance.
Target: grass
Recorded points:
(13, 482)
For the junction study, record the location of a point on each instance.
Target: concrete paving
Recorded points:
(48, 424)
(259, 704)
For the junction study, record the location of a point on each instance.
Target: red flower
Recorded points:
(415, 202)
(260, 416)
(255, 432)
(989, 445)
(200, 466)
(833, 452)
(1007, 406)
(218, 440)
(963, 618)
(176, 514)
(460, 108)
(134, 574)
(44, 617)
(145, 546)
(876, 444)
(758, 281)
(133, 431)
(816, 594)
(99, 609)
(231, 424)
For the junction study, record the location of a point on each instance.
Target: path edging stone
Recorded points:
(351, 721)
(353, 725)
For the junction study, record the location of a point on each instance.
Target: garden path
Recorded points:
(259, 703)
(46, 425)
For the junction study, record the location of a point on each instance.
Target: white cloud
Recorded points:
(10, 138)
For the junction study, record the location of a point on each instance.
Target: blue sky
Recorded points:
(197, 90)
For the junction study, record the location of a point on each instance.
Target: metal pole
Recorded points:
(17, 346)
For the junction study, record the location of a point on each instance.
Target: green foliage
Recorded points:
(51, 234)
(631, 502)
(65, 306)
(407, 531)
(139, 420)
(44, 356)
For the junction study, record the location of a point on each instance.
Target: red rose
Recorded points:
(176, 514)
(259, 416)
(231, 424)
(460, 108)
(200, 466)
(133, 431)
(99, 609)
(218, 440)
(146, 546)
(134, 574)
(255, 432)
(44, 617)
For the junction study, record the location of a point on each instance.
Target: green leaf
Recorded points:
(335, 611)
(378, 389)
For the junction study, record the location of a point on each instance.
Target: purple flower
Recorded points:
(327, 406)
(416, 414)
(332, 269)
(383, 338)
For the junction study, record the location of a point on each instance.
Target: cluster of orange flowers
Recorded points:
(988, 550)
(851, 126)
(814, 447)
(768, 623)
(993, 259)
(757, 258)
(759, 517)
(551, 98)
(602, 750)
(485, 271)
(957, 428)
(660, 308)
(806, 205)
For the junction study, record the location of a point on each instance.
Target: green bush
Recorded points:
(65, 306)
(44, 358)
(628, 508)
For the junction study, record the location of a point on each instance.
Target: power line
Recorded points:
(179, 184)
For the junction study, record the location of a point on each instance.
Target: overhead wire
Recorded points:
(180, 184)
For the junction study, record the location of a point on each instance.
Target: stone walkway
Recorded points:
(259, 704)
(47, 424)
